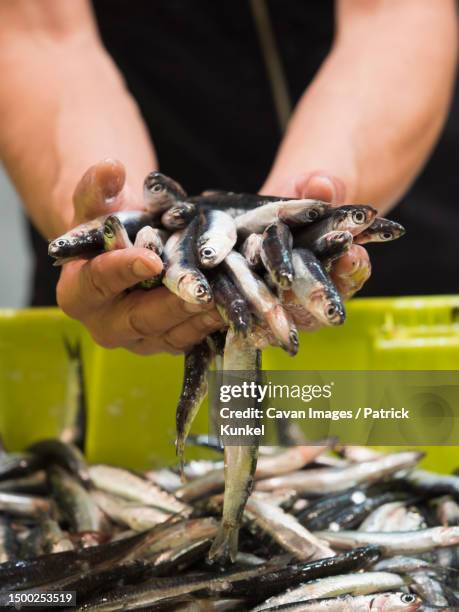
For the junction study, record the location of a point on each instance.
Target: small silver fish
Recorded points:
(381, 230)
(182, 275)
(216, 237)
(161, 192)
(276, 254)
(179, 215)
(251, 250)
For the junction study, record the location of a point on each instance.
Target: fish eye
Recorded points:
(108, 233)
(207, 252)
(294, 337)
(386, 235)
(200, 291)
(157, 188)
(331, 311)
(61, 243)
(358, 216)
(313, 214)
(408, 598)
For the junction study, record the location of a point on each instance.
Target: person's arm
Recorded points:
(63, 107)
(366, 125)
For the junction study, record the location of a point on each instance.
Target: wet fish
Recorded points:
(240, 461)
(215, 238)
(381, 230)
(27, 506)
(179, 215)
(128, 485)
(276, 254)
(352, 584)
(395, 543)
(18, 465)
(350, 218)
(66, 455)
(230, 303)
(284, 529)
(326, 480)
(328, 247)
(151, 238)
(395, 516)
(264, 303)
(314, 289)
(129, 514)
(87, 239)
(115, 235)
(161, 192)
(73, 430)
(447, 511)
(194, 390)
(182, 276)
(431, 591)
(75, 502)
(378, 602)
(251, 250)
(291, 212)
(433, 484)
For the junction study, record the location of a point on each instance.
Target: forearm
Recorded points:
(377, 106)
(63, 106)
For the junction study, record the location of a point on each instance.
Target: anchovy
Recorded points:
(326, 480)
(18, 465)
(395, 543)
(314, 289)
(284, 529)
(291, 212)
(73, 429)
(393, 516)
(377, 602)
(381, 230)
(276, 254)
(447, 511)
(231, 304)
(129, 514)
(179, 215)
(87, 239)
(182, 276)
(128, 485)
(251, 250)
(46, 538)
(194, 390)
(215, 238)
(115, 235)
(433, 484)
(75, 503)
(151, 238)
(328, 247)
(64, 454)
(265, 304)
(24, 505)
(240, 461)
(431, 591)
(350, 218)
(161, 192)
(352, 584)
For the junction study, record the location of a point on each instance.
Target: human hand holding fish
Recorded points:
(94, 290)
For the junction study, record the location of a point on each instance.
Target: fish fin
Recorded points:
(224, 547)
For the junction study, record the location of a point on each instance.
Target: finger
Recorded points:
(351, 271)
(99, 189)
(320, 185)
(85, 286)
(183, 336)
(142, 314)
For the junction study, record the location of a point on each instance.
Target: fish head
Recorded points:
(148, 238)
(383, 230)
(395, 602)
(354, 217)
(194, 288)
(161, 192)
(115, 235)
(303, 211)
(207, 255)
(65, 246)
(328, 309)
(178, 216)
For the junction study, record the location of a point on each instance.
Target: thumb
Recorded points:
(99, 190)
(320, 185)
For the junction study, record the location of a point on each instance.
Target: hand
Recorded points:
(94, 291)
(351, 271)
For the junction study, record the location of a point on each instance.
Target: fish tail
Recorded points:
(224, 547)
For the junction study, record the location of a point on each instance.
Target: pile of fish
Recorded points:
(323, 529)
(263, 260)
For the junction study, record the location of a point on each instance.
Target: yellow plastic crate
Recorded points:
(131, 400)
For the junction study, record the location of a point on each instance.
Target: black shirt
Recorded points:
(197, 72)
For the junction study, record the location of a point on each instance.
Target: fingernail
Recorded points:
(320, 187)
(142, 269)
